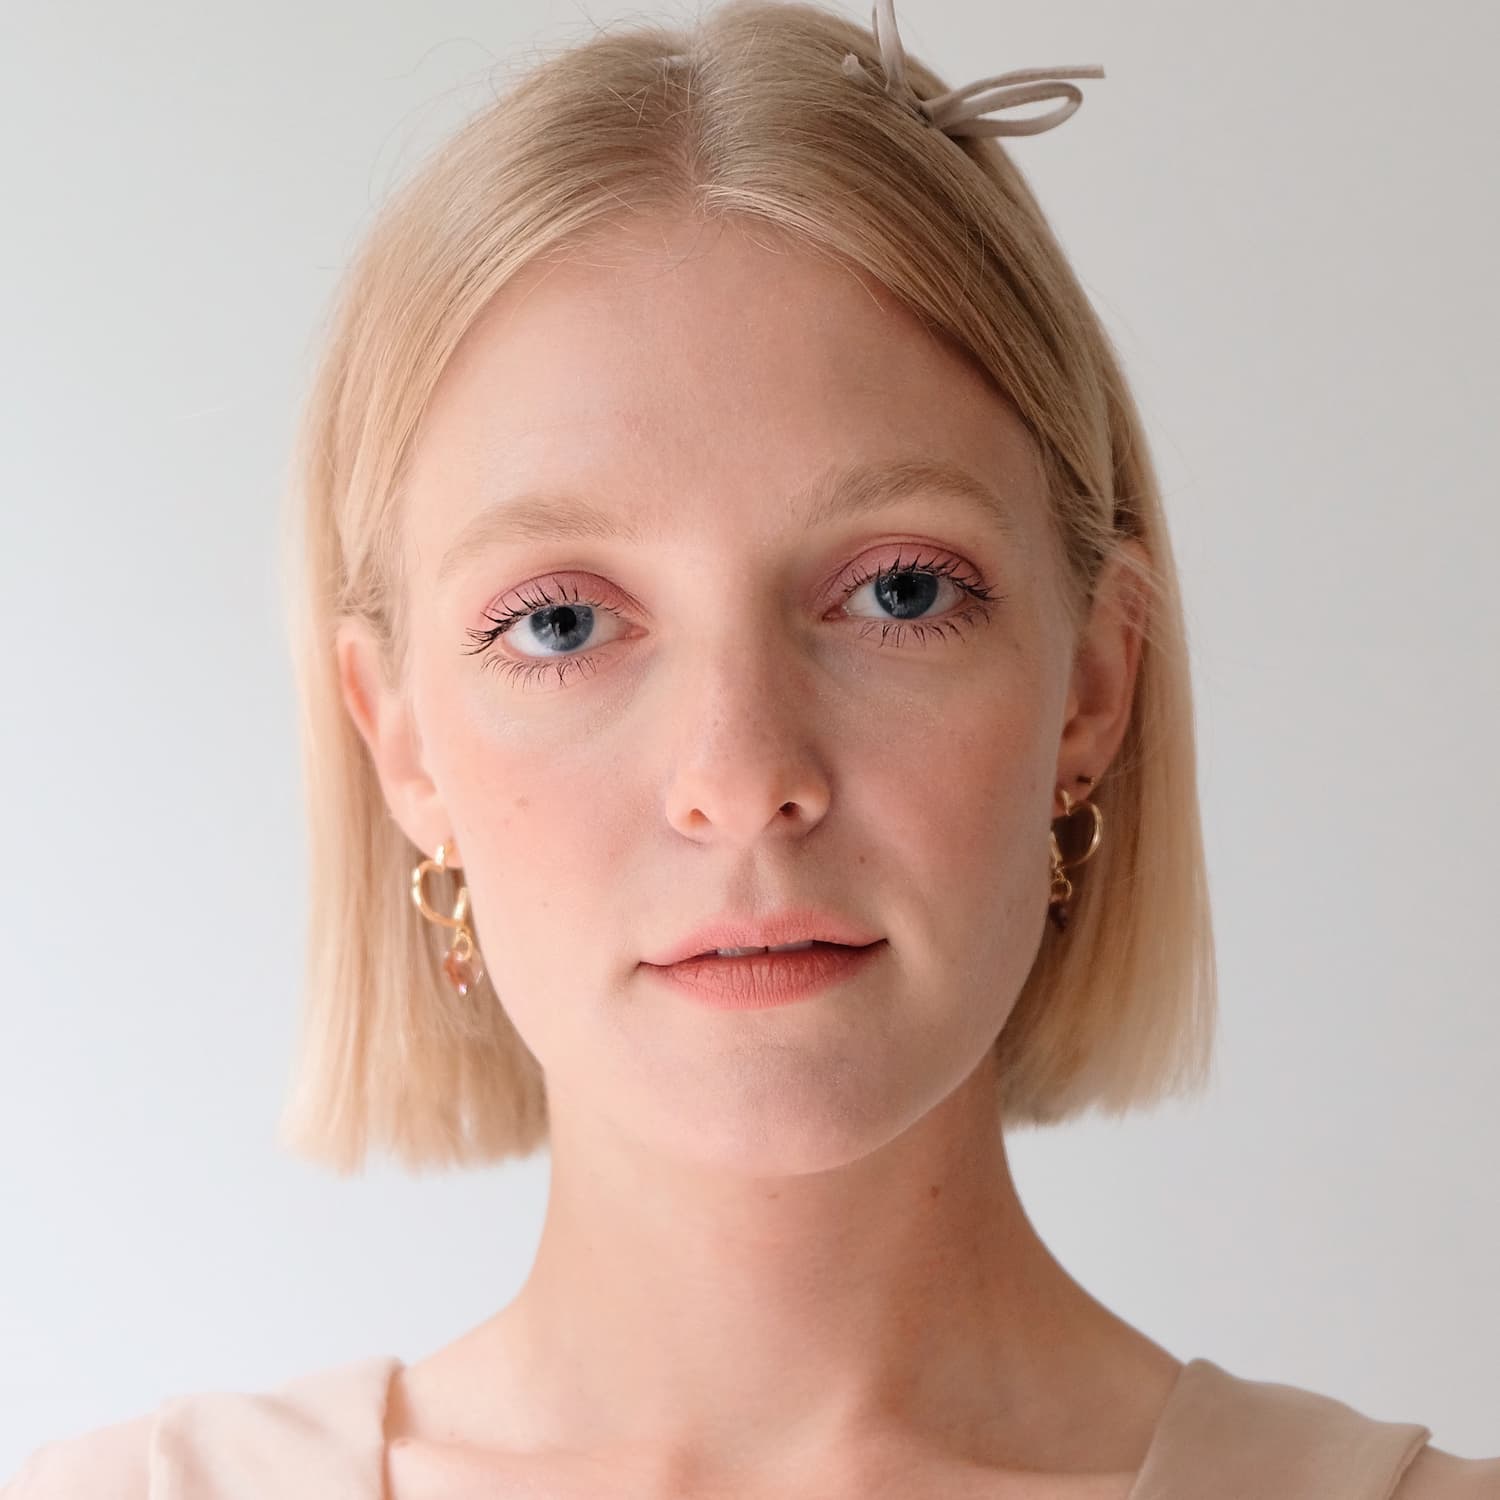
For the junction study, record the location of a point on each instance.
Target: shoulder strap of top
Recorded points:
(318, 1434)
(1263, 1440)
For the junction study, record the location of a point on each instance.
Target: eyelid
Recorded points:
(857, 574)
(939, 553)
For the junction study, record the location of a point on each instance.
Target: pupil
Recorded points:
(562, 625)
(909, 589)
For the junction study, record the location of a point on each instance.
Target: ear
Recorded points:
(385, 722)
(1105, 665)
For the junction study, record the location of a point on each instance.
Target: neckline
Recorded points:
(1165, 1424)
(1188, 1375)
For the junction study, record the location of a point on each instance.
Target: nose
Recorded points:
(748, 757)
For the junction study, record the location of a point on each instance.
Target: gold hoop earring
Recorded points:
(461, 963)
(1062, 887)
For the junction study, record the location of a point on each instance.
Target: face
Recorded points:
(745, 707)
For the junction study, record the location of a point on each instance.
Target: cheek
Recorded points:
(536, 864)
(958, 807)
(524, 806)
(539, 884)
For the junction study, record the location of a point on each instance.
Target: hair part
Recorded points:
(746, 115)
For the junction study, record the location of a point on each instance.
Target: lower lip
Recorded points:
(765, 979)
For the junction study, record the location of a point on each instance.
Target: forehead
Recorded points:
(684, 371)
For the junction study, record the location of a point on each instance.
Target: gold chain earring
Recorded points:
(1062, 887)
(461, 963)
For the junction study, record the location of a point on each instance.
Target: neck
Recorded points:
(686, 1323)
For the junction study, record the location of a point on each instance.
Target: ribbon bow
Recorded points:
(962, 111)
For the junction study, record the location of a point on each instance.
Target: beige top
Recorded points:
(321, 1436)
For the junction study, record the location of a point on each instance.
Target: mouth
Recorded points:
(731, 955)
(758, 980)
(737, 934)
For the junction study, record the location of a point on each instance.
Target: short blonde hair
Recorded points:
(746, 115)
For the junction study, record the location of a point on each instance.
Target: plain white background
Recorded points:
(1287, 216)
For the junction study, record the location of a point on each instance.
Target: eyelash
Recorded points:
(979, 593)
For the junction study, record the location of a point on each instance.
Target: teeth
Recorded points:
(782, 948)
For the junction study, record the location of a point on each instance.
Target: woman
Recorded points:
(725, 525)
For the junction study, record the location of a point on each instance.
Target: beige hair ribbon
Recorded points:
(963, 111)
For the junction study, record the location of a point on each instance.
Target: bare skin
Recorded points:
(501, 1413)
(783, 1252)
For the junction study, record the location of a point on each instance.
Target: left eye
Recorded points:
(908, 588)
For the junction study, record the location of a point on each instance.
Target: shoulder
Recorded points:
(320, 1433)
(109, 1463)
(1397, 1459)
(1435, 1474)
(1299, 1444)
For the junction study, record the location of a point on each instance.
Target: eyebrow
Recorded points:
(841, 492)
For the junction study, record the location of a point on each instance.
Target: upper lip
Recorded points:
(794, 925)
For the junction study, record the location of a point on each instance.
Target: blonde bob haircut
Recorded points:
(745, 115)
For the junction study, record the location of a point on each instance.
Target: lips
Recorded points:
(772, 930)
(761, 980)
(805, 946)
